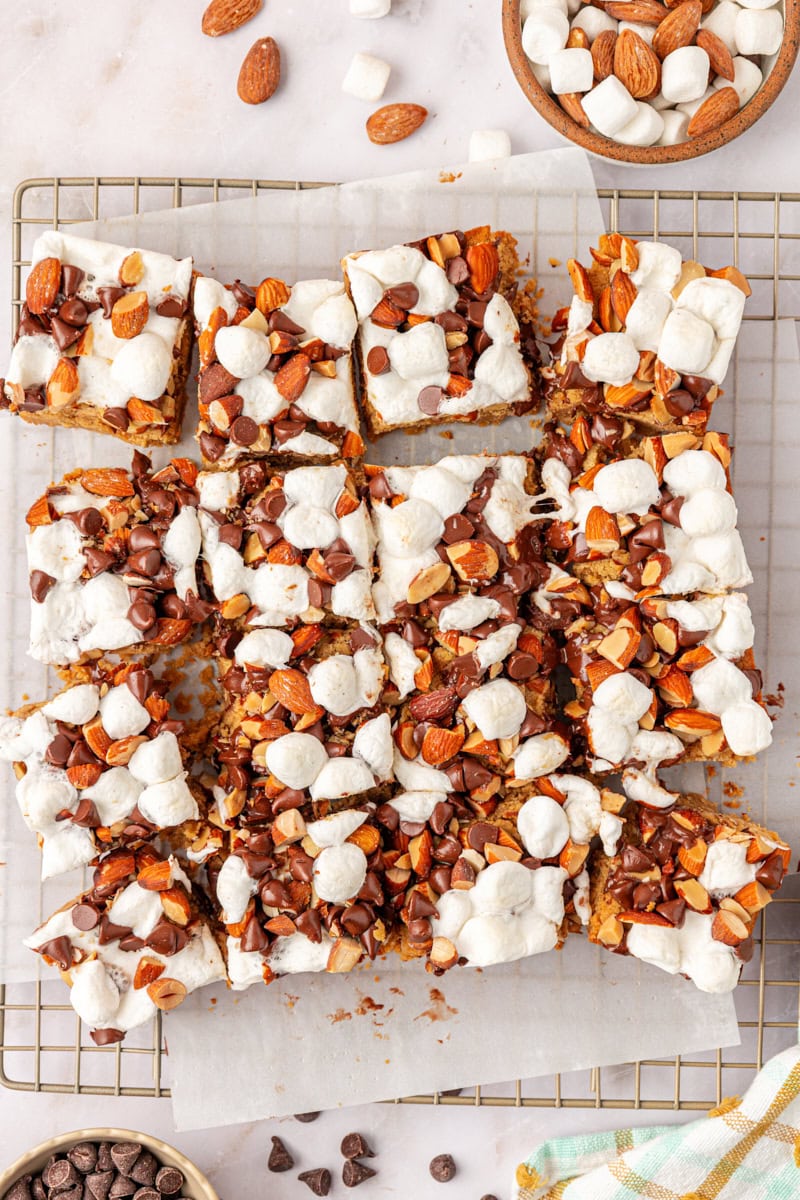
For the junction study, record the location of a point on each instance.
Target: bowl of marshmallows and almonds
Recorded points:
(651, 81)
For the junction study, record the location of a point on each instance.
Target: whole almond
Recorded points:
(571, 104)
(717, 109)
(223, 16)
(678, 28)
(42, 285)
(718, 53)
(260, 72)
(636, 66)
(643, 12)
(578, 39)
(603, 54)
(394, 122)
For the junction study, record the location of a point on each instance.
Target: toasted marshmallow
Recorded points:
(539, 755)
(296, 759)
(339, 873)
(610, 357)
(627, 486)
(543, 826)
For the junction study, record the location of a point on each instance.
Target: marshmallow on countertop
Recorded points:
(370, 9)
(366, 77)
(486, 145)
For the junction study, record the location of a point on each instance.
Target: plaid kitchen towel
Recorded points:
(747, 1148)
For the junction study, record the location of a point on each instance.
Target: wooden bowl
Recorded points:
(549, 108)
(196, 1186)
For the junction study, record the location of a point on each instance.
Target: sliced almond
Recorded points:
(428, 582)
(167, 993)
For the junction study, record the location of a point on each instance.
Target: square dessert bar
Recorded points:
(685, 889)
(100, 765)
(276, 371)
(655, 515)
(113, 561)
(304, 727)
(480, 890)
(647, 336)
(301, 896)
(104, 340)
(459, 541)
(662, 681)
(286, 547)
(444, 334)
(134, 944)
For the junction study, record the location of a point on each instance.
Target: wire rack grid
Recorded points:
(42, 1043)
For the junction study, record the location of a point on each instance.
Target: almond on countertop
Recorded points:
(260, 72)
(223, 16)
(394, 122)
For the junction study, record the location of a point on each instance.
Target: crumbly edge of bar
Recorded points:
(567, 406)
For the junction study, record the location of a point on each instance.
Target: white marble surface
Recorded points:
(100, 88)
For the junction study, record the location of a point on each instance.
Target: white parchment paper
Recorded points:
(387, 1030)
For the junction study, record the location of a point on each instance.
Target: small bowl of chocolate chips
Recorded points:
(104, 1164)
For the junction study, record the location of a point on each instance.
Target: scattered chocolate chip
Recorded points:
(306, 1118)
(354, 1145)
(355, 1172)
(318, 1180)
(279, 1157)
(443, 1168)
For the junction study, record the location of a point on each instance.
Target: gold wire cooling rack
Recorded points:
(42, 1043)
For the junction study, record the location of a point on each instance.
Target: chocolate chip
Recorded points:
(404, 295)
(124, 1156)
(211, 447)
(279, 1157)
(98, 1185)
(355, 1172)
(521, 665)
(378, 361)
(145, 1169)
(147, 1193)
(122, 1187)
(83, 1157)
(60, 1175)
(443, 1168)
(457, 270)
(20, 1190)
(60, 950)
(104, 1160)
(171, 306)
(108, 297)
(318, 1180)
(59, 750)
(117, 418)
(306, 1118)
(38, 1190)
(429, 400)
(244, 431)
(40, 584)
(354, 1145)
(98, 561)
(488, 1196)
(142, 616)
(84, 917)
(169, 1180)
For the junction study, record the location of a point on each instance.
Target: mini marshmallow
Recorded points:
(747, 78)
(296, 759)
(539, 755)
(498, 708)
(690, 107)
(233, 888)
(528, 6)
(684, 74)
(370, 9)
(623, 696)
(545, 31)
(541, 72)
(647, 314)
(485, 145)
(627, 486)
(610, 357)
(708, 511)
(687, 341)
(242, 352)
(659, 266)
(339, 873)
(366, 77)
(759, 31)
(571, 70)
(94, 995)
(593, 21)
(726, 869)
(157, 760)
(722, 21)
(675, 127)
(76, 705)
(420, 352)
(122, 714)
(719, 685)
(609, 106)
(717, 301)
(168, 803)
(143, 366)
(645, 32)
(747, 728)
(692, 471)
(543, 826)
(644, 130)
